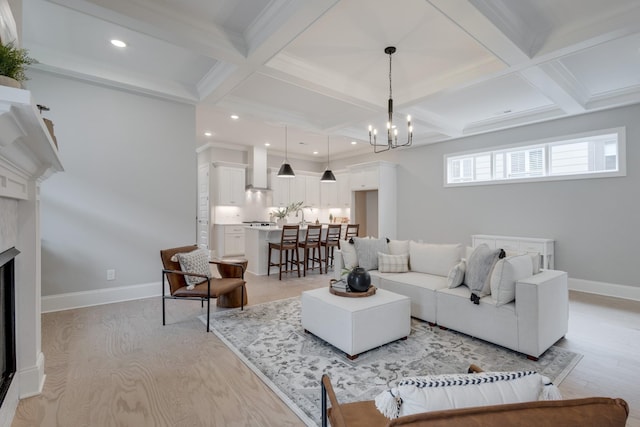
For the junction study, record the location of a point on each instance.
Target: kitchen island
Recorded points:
(256, 245)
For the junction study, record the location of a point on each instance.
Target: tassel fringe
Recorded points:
(549, 390)
(389, 403)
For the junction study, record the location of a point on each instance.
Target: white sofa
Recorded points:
(533, 322)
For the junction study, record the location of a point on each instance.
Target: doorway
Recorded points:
(366, 212)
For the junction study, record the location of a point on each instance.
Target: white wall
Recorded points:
(593, 221)
(128, 189)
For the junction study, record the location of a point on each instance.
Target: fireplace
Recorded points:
(7, 321)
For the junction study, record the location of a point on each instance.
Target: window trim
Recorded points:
(622, 159)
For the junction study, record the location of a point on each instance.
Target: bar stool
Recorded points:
(331, 241)
(311, 245)
(288, 243)
(352, 231)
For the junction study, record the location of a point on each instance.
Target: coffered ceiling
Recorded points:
(462, 66)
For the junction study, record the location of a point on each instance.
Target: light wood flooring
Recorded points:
(116, 365)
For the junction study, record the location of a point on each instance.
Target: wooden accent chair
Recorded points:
(288, 243)
(331, 241)
(589, 411)
(351, 231)
(311, 246)
(230, 287)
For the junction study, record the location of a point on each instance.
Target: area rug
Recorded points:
(270, 340)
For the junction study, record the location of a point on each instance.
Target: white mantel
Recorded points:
(27, 157)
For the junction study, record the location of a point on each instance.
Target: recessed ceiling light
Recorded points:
(315, 153)
(267, 144)
(207, 134)
(354, 142)
(235, 117)
(118, 43)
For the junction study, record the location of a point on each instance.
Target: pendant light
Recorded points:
(392, 131)
(328, 176)
(285, 169)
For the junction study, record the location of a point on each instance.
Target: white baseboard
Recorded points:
(606, 289)
(99, 296)
(126, 293)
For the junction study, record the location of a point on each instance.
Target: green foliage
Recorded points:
(283, 212)
(13, 61)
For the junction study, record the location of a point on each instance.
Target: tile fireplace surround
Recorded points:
(27, 157)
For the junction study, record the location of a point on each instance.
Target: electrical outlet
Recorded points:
(111, 274)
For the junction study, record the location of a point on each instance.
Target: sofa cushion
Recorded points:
(479, 267)
(349, 255)
(456, 274)
(441, 392)
(388, 263)
(535, 259)
(434, 258)
(367, 251)
(398, 247)
(418, 280)
(506, 273)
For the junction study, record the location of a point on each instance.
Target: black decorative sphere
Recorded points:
(359, 280)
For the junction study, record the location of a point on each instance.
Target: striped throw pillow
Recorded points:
(388, 263)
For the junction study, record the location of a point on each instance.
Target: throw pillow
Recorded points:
(196, 262)
(398, 247)
(349, 254)
(535, 259)
(451, 391)
(456, 275)
(435, 259)
(367, 251)
(505, 275)
(479, 267)
(388, 263)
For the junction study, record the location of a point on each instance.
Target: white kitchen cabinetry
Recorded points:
(280, 190)
(336, 194)
(312, 191)
(344, 190)
(298, 190)
(375, 202)
(544, 247)
(364, 177)
(229, 183)
(229, 240)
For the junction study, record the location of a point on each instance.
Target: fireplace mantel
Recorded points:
(28, 156)
(27, 151)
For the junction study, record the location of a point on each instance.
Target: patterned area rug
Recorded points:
(270, 340)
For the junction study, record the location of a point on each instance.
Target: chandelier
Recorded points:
(392, 130)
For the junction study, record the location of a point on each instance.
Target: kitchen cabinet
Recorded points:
(364, 177)
(344, 190)
(375, 202)
(336, 194)
(312, 191)
(280, 190)
(229, 240)
(302, 188)
(229, 183)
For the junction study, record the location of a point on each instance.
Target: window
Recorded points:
(591, 155)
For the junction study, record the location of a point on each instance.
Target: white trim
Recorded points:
(81, 299)
(605, 289)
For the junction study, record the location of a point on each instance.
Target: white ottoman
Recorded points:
(355, 325)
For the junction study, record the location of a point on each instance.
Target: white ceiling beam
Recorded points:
(564, 91)
(276, 27)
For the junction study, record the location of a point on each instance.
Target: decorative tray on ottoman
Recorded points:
(342, 293)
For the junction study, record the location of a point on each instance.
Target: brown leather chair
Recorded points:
(230, 285)
(331, 241)
(288, 244)
(311, 246)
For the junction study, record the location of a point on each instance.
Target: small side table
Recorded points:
(232, 299)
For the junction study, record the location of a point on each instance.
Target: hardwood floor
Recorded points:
(117, 365)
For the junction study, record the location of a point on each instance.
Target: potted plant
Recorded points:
(281, 215)
(13, 61)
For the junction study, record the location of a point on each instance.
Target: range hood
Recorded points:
(257, 171)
